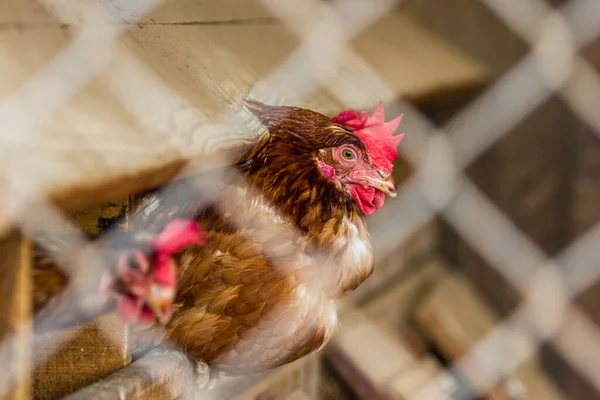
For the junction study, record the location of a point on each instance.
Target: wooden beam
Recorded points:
(170, 77)
(375, 362)
(15, 324)
(168, 374)
(301, 376)
(410, 383)
(482, 33)
(414, 61)
(394, 261)
(159, 375)
(454, 318)
(393, 309)
(30, 15)
(77, 357)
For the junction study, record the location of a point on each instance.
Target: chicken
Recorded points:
(140, 280)
(286, 237)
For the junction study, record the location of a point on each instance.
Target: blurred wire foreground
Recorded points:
(487, 262)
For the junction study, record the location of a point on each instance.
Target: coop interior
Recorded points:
(102, 101)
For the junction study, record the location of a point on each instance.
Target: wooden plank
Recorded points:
(95, 148)
(547, 191)
(80, 356)
(372, 360)
(354, 376)
(390, 321)
(168, 374)
(378, 352)
(299, 377)
(393, 264)
(206, 12)
(586, 189)
(393, 309)
(584, 212)
(570, 382)
(29, 14)
(331, 384)
(414, 61)
(410, 383)
(159, 375)
(482, 33)
(15, 328)
(404, 296)
(455, 318)
(91, 352)
(540, 176)
(223, 63)
(528, 176)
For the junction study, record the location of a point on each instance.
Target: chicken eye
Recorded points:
(133, 263)
(348, 154)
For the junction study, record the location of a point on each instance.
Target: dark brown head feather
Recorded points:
(285, 167)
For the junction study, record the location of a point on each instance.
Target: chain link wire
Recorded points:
(439, 154)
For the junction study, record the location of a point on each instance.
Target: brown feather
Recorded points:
(255, 297)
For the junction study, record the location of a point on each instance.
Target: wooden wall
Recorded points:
(15, 330)
(77, 357)
(471, 26)
(544, 175)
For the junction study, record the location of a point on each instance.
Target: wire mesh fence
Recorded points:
(439, 187)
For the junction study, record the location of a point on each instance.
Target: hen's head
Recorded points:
(367, 177)
(144, 277)
(353, 152)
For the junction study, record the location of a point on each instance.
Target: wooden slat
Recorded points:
(394, 263)
(377, 351)
(482, 33)
(379, 338)
(414, 61)
(160, 375)
(168, 374)
(94, 149)
(418, 378)
(455, 318)
(15, 328)
(299, 377)
(584, 213)
(91, 352)
(375, 363)
(78, 357)
(393, 308)
(31, 14)
(528, 176)
(354, 376)
(586, 182)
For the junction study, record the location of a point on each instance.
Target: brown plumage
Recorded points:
(284, 241)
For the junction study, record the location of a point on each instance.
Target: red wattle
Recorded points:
(129, 308)
(165, 271)
(369, 200)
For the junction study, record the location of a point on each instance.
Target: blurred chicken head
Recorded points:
(145, 278)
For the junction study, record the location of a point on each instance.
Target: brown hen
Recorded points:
(286, 237)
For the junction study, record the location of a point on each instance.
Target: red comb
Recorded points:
(375, 133)
(176, 236)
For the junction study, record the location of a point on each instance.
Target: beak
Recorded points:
(160, 301)
(385, 184)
